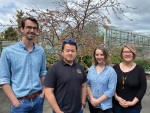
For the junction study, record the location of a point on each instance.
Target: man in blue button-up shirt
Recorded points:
(22, 71)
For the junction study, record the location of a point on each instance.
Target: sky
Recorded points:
(140, 16)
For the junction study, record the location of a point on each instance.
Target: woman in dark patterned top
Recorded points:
(131, 83)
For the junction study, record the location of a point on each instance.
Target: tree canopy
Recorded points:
(10, 34)
(71, 20)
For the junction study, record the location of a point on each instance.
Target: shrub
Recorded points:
(115, 57)
(145, 63)
(1, 39)
(85, 61)
(51, 59)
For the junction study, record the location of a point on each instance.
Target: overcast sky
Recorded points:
(140, 16)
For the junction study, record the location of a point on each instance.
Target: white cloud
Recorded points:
(8, 8)
(140, 15)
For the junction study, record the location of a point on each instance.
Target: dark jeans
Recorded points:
(98, 110)
(118, 109)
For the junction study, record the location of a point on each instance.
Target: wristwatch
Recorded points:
(84, 105)
(116, 97)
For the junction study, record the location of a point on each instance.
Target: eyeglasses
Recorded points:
(29, 28)
(126, 52)
(70, 41)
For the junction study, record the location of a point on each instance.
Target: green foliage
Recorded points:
(10, 34)
(19, 16)
(85, 61)
(102, 37)
(1, 39)
(115, 57)
(145, 63)
(51, 59)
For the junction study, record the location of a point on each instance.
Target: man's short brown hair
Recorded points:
(29, 18)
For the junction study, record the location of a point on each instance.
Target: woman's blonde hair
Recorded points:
(131, 48)
(105, 53)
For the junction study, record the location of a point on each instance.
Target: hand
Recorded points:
(42, 95)
(125, 105)
(94, 102)
(129, 103)
(122, 102)
(16, 104)
(82, 107)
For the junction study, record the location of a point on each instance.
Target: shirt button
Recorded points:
(30, 83)
(29, 60)
(29, 67)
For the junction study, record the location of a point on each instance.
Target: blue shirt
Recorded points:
(22, 69)
(102, 83)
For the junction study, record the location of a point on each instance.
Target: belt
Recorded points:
(30, 96)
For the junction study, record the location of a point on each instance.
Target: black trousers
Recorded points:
(98, 110)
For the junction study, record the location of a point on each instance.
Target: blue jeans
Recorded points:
(81, 111)
(118, 109)
(34, 105)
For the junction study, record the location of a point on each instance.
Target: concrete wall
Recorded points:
(4, 44)
(8, 43)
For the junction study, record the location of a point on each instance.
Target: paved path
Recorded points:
(4, 103)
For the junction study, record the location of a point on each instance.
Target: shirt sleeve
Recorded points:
(111, 84)
(50, 78)
(142, 84)
(5, 66)
(43, 67)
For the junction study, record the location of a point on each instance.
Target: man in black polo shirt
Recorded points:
(65, 82)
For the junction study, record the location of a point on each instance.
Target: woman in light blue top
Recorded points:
(101, 82)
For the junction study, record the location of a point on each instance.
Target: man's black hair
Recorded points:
(71, 42)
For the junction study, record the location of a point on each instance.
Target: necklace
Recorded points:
(123, 77)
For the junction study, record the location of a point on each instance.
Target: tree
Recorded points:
(74, 15)
(70, 20)
(19, 16)
(71, 17)
(13, 32)
(10, 34)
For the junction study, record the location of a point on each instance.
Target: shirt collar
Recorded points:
(104, 68)
(64, 63)
(23, 46)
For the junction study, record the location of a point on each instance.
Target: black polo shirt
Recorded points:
(67, 83)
